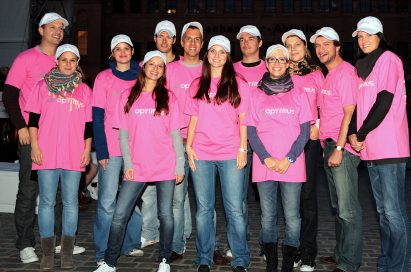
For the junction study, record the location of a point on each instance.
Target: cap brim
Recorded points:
(364, 29)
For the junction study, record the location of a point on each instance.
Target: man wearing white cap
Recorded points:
(338, 99)
(27, 69)
(165, 38)
(180, 74)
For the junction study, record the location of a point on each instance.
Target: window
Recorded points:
(347, 5)
(247, 5)
(384, 6)
(365, 5)
(306, 5)
(229, 5)
(288, 6)
(82, 42)
(153, 6)
(193, 6)
(269, 6)
(211, 6)
(118, 6)
(325, 5)
(171, 6)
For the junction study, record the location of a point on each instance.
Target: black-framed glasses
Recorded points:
(280, 60)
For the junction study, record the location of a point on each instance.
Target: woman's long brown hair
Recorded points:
(160, 93)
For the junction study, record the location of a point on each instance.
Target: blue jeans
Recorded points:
(129, 194)
(149, 213)
(231, 180)
(290, 195)
(48, 184)
(388, 185)
(343, 187)
(106, 204)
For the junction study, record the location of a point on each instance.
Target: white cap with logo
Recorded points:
(166, 26)
(250, 29)
(293, 32)
(120, 39)
(327, 32)
(195, 24)
(51, 17)
(221, 41)
(67, 48)
(370, 24)
(151, 54)
(275, 47)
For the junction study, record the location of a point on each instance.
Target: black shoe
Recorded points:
(203, 268)
(175, 256)
(240, 269)
(328, 260)
(220, 259)
(338, 270)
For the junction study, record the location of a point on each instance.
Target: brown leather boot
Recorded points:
(66, 253)
(47, 246)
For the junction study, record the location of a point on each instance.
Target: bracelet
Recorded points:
(242, 149)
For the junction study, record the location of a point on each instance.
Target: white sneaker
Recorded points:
(76, 249)
(27, 255)
(307, 267)
(93, 191)
(105, 268)
(100, 262)
(135, 252)
(164, 266)
(146, 243)
(229, 254)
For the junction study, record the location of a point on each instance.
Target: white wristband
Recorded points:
(242, 149)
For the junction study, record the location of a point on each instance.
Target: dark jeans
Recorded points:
(24, 213)
(308, 202)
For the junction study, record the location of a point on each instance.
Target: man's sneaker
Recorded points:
(203, 268)
(105, 268)
(239, 269)
(76, 249)
(100, 262)
(136, 252)
(297, 261)
(146, 243)
(164, 266)
(229, 254)
(27, 255)
(93, 189)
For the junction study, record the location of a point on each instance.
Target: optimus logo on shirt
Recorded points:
(278, 111)
(253, 83)
(326, 92)
(309, 90)
(71, 101)
(366, 84)
(183, 86)
(149, 111)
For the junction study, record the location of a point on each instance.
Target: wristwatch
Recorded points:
(242, 149)
(339, 148)
(290, 160)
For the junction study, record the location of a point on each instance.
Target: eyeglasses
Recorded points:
(279, 60)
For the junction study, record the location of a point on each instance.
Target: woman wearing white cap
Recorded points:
(308, 77)
(152, 148)
(217, 142)
(278, 126)
(379, 132)
(60, 135)
(108, 86)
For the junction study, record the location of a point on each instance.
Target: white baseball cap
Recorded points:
(274, 47)
(369, 24)
(151, 54)
(195, 24)
(119, 39)
(250, 29)
(221, 41)
(67, 48)
(293, 32)
(327, 32)
(166, 26)
(51, 17)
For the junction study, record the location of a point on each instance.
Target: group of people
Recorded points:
(157, 122)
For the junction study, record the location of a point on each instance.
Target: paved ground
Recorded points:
(9, 260)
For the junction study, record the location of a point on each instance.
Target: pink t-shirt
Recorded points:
(390, 139)
(150, 141)
(339, 90)
(28, 68)
(217, 133)
(277, 119)
(106, 93)
(252, 75)
(179, 78)
(61, 126)
(311, 84)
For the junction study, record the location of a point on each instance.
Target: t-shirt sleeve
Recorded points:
(305, 114)
(35, 100)
(18, 73)
(191, 107)
(99, 92)
(251, 116)
(388, 81)
(89, 95)
(348, 85)
(120, 117)
(245, 93)
(176, 120)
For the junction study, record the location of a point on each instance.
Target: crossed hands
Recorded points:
(280, 166)
(355, 144)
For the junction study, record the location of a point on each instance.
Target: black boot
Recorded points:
(271, 256)
(289, 254)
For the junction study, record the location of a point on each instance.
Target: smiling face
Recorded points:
(367, 42)
(326, 51)
(277, 64)
(154, 68)
(67, 63)
(192, 42)
(296, 48)
(249, 44)
(216, 56)
(122, 53)
(164, 42)
(52, 33)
